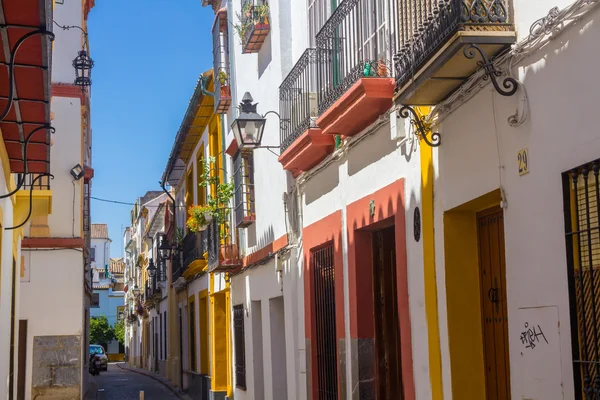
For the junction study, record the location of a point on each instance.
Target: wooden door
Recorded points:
(387, 327)
(22, 357)
(493, 303)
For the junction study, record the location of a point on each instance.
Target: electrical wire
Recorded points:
(127, 203)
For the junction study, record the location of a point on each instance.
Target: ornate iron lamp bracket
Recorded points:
(418, 122)
(30, 201)
(11, 65)
(510, 84)
(21, 181)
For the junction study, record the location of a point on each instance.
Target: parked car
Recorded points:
(98, 352)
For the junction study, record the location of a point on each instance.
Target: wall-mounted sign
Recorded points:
(523, 161)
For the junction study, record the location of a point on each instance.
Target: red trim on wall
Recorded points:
(52, 242)
(389, 208)
(67, 90)
(87, 7)
(266, 251)
(321, 232)
(88, 174)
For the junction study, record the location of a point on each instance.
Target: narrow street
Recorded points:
(120, 384)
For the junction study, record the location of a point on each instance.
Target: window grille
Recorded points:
(326, 340)
(240, 349)
(582, 227)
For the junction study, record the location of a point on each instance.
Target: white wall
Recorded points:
(561, 133)
(258, 287)
(6, 282)
(67, 42)
(59, 312)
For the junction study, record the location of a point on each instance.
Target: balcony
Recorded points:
(223, 254)
(302, 144)
(220, 34)
(38, 189)
(254, 25)
(430, 64)
(194, 248)
(354, 74)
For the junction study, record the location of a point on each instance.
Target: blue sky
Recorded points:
(148, 55)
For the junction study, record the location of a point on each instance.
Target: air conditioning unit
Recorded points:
(398, 126)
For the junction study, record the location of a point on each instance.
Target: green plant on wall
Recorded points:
(250, 16)
(100, 331)
(217, 204)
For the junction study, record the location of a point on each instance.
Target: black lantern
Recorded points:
(136, 290)
(248, 128)
(164, 248)
(151, 269)
(83, 65)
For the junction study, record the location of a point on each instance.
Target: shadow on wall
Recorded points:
(267, 237)
(265, 56)
(322, 183)
(371, 150)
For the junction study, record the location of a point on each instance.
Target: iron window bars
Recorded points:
(357, 41)
(240, 347)
(243, 181)
(298, 99)
(221, 63)
(581, 191)
(426, 25)
(326, 339)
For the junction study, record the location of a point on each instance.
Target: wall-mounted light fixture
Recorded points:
(77, 172)
(249, 126)
(164, 248)
(83, 65)
(151, 269)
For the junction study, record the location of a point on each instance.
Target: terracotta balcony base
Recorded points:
(359, 107)
(307, 151)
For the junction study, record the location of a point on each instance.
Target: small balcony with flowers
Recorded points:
(220, 32)
(341, 86)
(194, 254)
(211, 222)
(253, 25)
(443, 42)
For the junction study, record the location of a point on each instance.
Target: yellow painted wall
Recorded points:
(220, 346)
(204, 325)
(193, 364)
(463, 297)
(431, 301)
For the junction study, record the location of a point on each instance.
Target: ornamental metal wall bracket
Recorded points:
(510, 84)
(31, 189)
(421, 127)
(11, 64)
(23, 176)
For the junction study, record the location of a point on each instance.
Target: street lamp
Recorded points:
(83, 65)
(136, 290)
(151, 269)
(248, 128)
(164, 248)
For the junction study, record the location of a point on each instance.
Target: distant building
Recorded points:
(108, 284)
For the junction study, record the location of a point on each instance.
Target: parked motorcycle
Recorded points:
(95, 364)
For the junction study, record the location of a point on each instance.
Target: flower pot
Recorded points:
(225, 91)
(202, 228)
(229, 253)
(208, 216)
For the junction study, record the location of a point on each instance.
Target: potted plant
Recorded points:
(222, 77)
(262, 14)
(217, 205)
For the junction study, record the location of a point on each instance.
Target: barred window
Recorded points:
(243, 180)
(240, 348)
(581, 197)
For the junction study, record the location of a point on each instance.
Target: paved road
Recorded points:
(120, 384)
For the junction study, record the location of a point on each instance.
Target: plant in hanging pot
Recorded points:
(222, 77)
(199, 218)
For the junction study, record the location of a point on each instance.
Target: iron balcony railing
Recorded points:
(176, 267)
(214, 243)
(298, 99)
(426, 25)
(194, 246)
(86, 209)
(30, 181)
(223, 253)
(357, 41)
(221, 63)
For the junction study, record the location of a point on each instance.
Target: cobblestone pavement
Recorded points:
(120, 384)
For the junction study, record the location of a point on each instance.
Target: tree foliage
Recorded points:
(100, 331)
(119, 330)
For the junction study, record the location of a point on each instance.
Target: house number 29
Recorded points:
(523, 161)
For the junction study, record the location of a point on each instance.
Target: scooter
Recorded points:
(94, 365)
